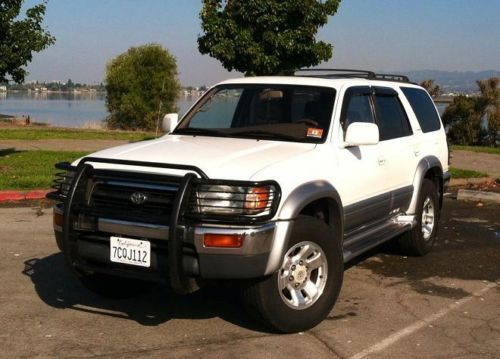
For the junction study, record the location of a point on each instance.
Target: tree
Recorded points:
(265, 37)
(489, 105)
(141, 87)
(20, 38)
(465, 114)
(431, 87)
(462, 119)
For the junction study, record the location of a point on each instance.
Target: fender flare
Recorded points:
(295, 202)
(306, 193)
(423, 166)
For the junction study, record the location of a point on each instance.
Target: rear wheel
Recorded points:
(420, 240)
(303, 291)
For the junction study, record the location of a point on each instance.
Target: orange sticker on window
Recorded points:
(315, 132)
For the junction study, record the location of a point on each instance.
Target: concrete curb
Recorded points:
(466, 181)
(11, 196)
(469, 195)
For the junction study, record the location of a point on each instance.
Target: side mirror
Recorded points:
(170, 121)
(361, 133)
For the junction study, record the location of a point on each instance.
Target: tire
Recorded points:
(112, 287)
(420, 240)
(278, 308)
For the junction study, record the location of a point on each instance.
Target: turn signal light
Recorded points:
(223, 240)
(58, 219)
(257, 198)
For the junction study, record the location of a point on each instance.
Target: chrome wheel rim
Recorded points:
(303, 274)
(428, 218)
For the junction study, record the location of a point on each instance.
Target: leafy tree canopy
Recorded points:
(464, 115)
(20, 38)
(141, 87)
(489, 105)
(265, 37)
(431, 87)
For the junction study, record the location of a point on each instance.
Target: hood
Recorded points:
(218, 157)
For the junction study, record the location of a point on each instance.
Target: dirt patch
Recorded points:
(482, 162)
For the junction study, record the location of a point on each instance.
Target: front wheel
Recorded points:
(303, 291)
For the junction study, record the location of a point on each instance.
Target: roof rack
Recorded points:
(392, 77)
(351, 73)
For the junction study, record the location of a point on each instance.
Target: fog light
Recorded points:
(223, 240)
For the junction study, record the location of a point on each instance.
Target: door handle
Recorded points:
(381, 161)
(417, 153)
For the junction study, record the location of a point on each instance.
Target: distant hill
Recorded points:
(452, 81)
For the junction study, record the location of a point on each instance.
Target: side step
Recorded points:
(372, 236)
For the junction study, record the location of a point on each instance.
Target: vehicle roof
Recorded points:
(317, 81)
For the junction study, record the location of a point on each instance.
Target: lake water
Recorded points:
(64, 109)
(72, 110)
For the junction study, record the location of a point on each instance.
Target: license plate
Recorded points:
(130, 251)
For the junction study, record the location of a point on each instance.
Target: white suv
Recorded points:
(274, 181)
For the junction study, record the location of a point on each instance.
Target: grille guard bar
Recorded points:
(179, 281)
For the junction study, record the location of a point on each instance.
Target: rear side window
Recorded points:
(392, 120)
(424, 109)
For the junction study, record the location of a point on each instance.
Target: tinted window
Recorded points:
(392, 121)
(357, 108)
(424, 109)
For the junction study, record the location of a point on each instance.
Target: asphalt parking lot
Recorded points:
(444, 305)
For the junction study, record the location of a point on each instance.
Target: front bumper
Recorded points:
(255, 258)
(96, 206)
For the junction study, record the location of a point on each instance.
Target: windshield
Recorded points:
(271, 112)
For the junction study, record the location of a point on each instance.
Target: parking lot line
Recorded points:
(393, 338)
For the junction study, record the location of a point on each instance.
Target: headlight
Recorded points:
(235, 200)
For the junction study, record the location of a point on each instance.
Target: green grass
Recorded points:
(461, 173)
(32, 169)
(482, 149)
(31, 134)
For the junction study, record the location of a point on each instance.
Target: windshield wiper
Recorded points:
(266, 135)
(198, 131)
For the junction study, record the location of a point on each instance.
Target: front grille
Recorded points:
(110, 195)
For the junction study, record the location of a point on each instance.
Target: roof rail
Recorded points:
(340, 73)
(332, 73)
(392, 77)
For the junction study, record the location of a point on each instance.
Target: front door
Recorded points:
(363, 182)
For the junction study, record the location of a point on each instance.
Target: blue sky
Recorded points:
(390, 35)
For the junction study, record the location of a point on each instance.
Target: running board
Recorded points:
(365, 240)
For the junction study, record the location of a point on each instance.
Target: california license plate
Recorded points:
(130, 251)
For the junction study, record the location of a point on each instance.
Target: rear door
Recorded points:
(397, 146)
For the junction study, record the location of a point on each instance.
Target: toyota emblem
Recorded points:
(138, 198)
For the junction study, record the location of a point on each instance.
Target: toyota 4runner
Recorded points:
(273, 181)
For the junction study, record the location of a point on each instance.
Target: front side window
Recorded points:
(275, 112)
(357, 106)
(391, 117)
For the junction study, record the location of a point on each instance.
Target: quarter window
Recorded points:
(424, 109)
